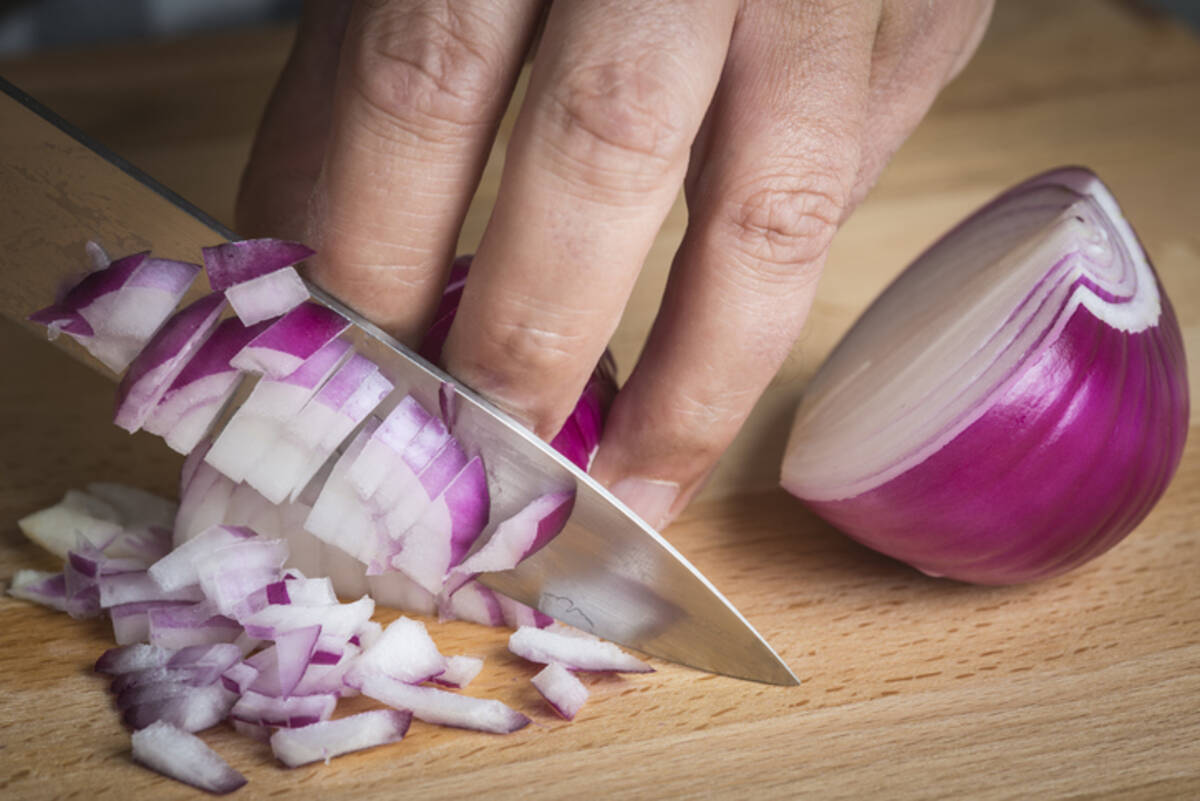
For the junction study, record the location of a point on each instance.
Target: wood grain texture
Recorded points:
(1082, 687)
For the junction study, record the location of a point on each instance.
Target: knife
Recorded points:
(607, 573)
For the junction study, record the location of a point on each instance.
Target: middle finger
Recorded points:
(617, 93)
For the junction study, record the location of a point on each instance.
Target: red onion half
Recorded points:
(1012, 405)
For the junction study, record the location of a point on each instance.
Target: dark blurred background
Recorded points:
(31, 25)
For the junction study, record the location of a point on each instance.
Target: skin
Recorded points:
(774, 116)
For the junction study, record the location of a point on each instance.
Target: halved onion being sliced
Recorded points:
(404, 651)
(261, 419)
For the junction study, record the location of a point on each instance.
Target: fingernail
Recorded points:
(649, 498)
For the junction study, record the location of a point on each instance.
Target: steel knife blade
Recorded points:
(607, 573)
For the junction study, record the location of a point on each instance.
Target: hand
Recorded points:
(776, 116)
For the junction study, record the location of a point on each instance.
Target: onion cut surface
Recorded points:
(562, 689)
(321, 741)
(115, 310)
(1012, 405)
(185, 757)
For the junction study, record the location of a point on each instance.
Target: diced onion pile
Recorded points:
(227, 607)
(221, 629)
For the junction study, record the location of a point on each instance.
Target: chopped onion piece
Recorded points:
(293, 649)
(126, 588)
(131, 622)
(177, 628)
(335, 620)
(293, 712)
(404, 651)
(135, 507)
(561, 689)
(196, 710)
(267, 296)
(472, 602)
(155, 368)
(356, 408)
(574, 653)
(291, 340)
(234, 263)
(180, 568)
(386, 444)
(239, 677)
(78, 514)
(460, 671)
(113, 311)
(322, 679)
(446, 529)
(322, 741)
(47, 589)
(517, 537)
(185, 757)
(128, 658)
(195, 398)
(298, 451)
(443, 708)
(219, 656)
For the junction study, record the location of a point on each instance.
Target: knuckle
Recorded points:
(696, 429)
(519, 361)
(786, 224)
(618, 119)
(427, 66)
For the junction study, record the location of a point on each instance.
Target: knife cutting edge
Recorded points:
(607, 572)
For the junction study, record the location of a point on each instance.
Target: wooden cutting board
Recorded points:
(1087, 686)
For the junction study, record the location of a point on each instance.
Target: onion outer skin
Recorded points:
(1065, 460)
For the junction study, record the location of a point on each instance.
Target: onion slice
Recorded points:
(573, 652)
(331, 738)
(155, 368)
(1012, 405)
(267, 296)
(443, 708)
(185, 757)
(291, 340)
(115, 310)
(561, 689)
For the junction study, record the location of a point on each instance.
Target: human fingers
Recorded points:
(782, 152)
(599, 150)
(421, 87)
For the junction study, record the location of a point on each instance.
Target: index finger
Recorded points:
(597, 157)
